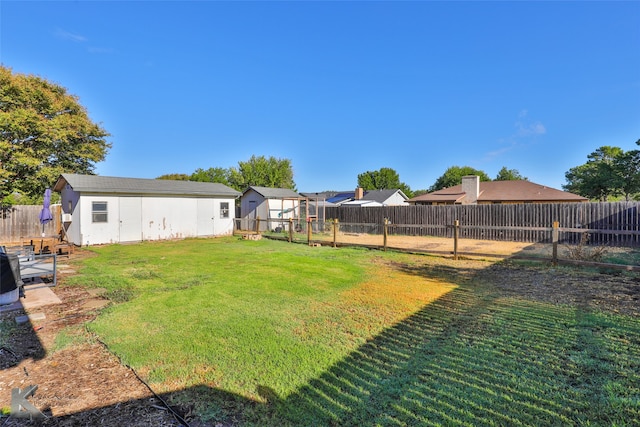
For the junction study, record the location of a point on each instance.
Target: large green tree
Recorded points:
(44, 131)
(264, 172)
(601, 177)
(175, 177)
(453, 176)
(627, 167)
(509, 175)
(215, 174)
(258, 171)
(609, 172)
(383, 179)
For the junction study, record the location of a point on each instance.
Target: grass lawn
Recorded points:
(270, 333)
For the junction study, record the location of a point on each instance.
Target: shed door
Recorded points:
(130, 219)
(206, 218)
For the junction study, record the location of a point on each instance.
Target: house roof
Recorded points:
(108, 184)
(274, 193)
(363, 202)
(341, 197)
(501, 191)
(382, 196)
(324, 194)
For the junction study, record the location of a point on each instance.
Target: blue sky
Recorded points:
(341, 88)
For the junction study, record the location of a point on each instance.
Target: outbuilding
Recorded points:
(272, 206)
(100, 209)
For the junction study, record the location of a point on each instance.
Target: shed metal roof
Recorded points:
(274, 193)
(115, 185)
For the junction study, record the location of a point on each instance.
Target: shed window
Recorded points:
(224, 209)
(99, 212)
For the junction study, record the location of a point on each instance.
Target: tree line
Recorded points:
(257, 171)
(45, 131)
(610, 172)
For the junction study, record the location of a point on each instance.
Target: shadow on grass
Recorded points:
(428, 369)
(472, 357)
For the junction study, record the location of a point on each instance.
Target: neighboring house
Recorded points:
(100, 209)
(370, 198)
(275, 205)
(341, 197)
(472, 191)
(386, 197)
(314, 205)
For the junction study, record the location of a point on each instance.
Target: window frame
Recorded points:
(224, 211)
(98, 214)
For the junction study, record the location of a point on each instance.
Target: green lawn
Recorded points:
(270, 333)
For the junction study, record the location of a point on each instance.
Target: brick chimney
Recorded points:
(471, 186)
(359, 193)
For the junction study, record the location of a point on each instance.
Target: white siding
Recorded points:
(130, 217)
(169, 218)
(98, 232)
(138, 217)
(395, 200)
(206, 217)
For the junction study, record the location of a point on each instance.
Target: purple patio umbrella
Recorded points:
(45, 213)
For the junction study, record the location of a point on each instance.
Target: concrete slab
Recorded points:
(37, 294)
(30, 318)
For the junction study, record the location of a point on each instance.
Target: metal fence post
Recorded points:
(309, 232)
(335, 232)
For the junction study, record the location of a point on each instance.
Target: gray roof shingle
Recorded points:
(274, 193)
(115, 185)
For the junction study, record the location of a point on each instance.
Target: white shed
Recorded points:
(99, 209)
(274, 206)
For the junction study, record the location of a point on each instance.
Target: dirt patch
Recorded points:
(81, 383)
(615, 293)
(441, 245)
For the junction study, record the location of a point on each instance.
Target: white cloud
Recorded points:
(529, 129)
(66, 35)
(525, 127)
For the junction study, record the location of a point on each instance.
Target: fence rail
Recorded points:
(387, 236)
(614, 224)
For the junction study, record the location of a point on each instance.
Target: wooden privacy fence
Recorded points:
(21, 222)
(614, 224)
(381, 236)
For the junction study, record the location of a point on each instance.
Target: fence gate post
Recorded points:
(290, 230)
(335, 231)
(385, 233)
(456, 228)
(554, 238)
(309, 231)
